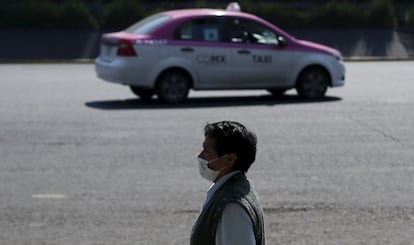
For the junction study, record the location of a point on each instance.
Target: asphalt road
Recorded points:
(84, 162)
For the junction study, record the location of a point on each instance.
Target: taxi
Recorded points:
(170, 53)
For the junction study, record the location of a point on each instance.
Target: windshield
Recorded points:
(145, 26)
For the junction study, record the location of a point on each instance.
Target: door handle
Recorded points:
(187, 49)
(243, 51)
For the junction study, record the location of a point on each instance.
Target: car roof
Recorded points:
(183, 13)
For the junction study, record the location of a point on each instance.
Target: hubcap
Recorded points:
(315, 84)
(174, 87)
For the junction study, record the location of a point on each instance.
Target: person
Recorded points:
(231, 213)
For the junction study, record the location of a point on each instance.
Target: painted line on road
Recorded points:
(48, 196)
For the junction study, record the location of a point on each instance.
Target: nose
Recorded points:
(200, 155)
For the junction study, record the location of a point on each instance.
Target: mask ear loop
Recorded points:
(231, 157)
(218, 158)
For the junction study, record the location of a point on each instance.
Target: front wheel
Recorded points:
(173, 87)
(313, 83)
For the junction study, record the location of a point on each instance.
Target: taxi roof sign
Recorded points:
(233, 6)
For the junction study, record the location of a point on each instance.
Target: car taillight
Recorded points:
(125, 48)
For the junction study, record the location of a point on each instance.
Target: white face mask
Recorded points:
(206, 172)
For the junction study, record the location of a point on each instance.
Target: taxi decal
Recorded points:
(152, 41)
(263, 59)
(211, 59)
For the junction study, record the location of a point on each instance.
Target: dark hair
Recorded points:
(233, 137)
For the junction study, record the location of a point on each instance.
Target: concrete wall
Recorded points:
(28, 45)
(63, 45)
(363, 43)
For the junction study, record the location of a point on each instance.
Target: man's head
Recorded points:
(231, 139)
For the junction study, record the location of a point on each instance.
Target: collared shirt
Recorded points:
(235, 226)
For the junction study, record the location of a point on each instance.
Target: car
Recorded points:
(172, 52)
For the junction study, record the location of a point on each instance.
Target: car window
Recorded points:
(247, 31)
(148, 24)
(203, 29)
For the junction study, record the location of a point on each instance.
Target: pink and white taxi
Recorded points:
(171, 52)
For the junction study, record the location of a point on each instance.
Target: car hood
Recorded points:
(319, 47)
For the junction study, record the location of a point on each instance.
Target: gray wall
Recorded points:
(28, 45)
(64, 45)
(363, 43)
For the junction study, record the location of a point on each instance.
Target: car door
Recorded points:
(201, 46)
(258, 54)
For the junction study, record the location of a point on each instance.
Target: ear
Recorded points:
(231, 159)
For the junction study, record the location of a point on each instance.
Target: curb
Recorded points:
(91, 61)
(49, 61)
(371, 59)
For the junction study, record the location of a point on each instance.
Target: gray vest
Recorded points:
(238, 190)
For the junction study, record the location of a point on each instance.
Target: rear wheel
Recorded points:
(143, 93)
(173, 86)
(313, 83)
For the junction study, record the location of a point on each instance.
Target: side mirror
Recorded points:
(281, 42)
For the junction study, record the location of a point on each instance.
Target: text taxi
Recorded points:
(171, 52)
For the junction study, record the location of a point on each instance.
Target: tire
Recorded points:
(277, 92)
(143, 93)
(173, 87)
(313, 83)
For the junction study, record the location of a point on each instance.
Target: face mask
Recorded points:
(206, 172)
